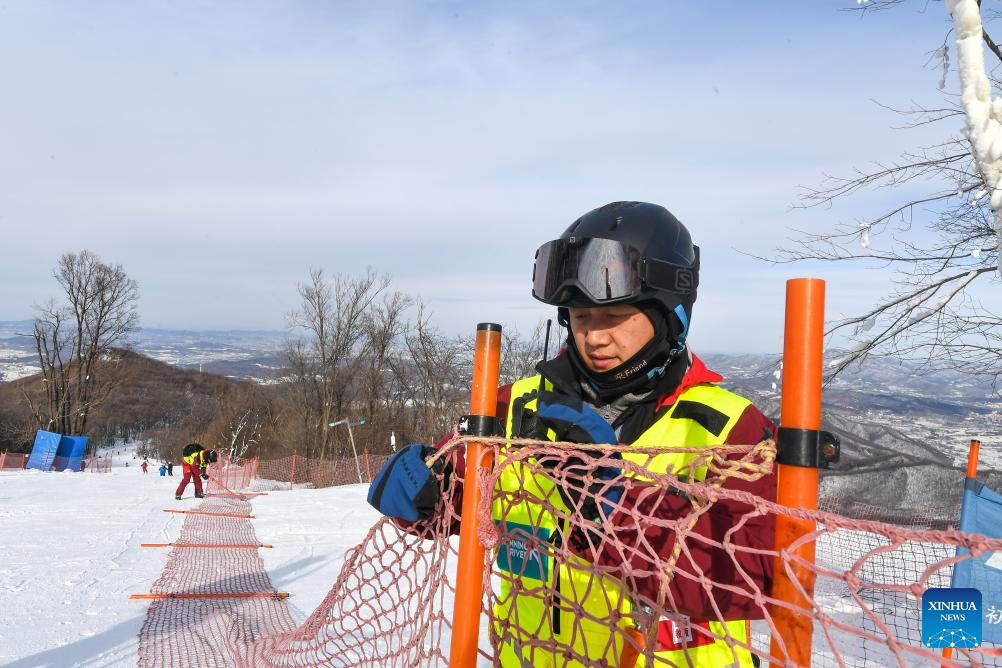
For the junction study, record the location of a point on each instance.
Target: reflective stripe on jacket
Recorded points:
(196, 458)
(701, 415)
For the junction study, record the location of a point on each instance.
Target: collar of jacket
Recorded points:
(696, 374)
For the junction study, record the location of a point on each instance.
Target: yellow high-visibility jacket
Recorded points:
(536, 601)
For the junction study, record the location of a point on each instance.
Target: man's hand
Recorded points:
(405, 487)
(573, 420)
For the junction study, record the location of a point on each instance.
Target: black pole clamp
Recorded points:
(477, 425)
(807, 448)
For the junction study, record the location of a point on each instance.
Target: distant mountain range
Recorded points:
(250, 355)
(904, 432)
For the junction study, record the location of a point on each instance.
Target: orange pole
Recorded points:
(3, 458)
(630, 655)
(972, 472)
(226, 545)
(368, 468)
(198, 512)
(277, 594)
(797, 486)
(972, 459)
(292, 476)
(470, 568)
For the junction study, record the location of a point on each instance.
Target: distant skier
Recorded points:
(145, 465)
(170, 468)
(163, 470)
(195, 459)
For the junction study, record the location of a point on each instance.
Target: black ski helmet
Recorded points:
(622, 253)
(212, 456)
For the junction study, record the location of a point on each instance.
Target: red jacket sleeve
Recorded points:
(646, 528)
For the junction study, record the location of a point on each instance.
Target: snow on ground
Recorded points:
(70, 556)
(310, 529)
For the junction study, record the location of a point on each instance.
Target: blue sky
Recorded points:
(218, 150)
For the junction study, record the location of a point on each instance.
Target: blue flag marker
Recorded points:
(981, 514)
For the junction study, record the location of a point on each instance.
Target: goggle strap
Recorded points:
(684, 319)
(667, 276)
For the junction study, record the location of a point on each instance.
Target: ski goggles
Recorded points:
(606, 271)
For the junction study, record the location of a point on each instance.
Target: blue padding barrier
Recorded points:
(70, 453)
(44, 451)
(982, 513)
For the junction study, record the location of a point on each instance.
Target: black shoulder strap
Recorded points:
(708, 417)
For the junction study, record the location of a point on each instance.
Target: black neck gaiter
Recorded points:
(637, 375)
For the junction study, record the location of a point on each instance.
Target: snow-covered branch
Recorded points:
(984, 129)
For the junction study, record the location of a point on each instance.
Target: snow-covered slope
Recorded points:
(70, 556)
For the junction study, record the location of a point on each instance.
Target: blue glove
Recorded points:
(405, 487)
(573, 420)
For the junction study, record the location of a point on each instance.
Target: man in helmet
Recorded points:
(194, 461)
(623, 278)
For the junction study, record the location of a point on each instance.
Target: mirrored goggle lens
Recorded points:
(603, 269)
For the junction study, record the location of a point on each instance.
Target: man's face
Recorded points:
(607, 336)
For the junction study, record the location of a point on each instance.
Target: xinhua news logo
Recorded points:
(951, 618)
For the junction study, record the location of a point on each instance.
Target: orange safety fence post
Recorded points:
(797, 476)
(199, 512)
(216, 545)
(972, 473)
(368, 468)
(470, 568)
(292, 474)
(3, 458)
(631, 653)
(972, 459)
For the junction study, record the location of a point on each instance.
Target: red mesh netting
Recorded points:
(585, 534)
(13, 460)
(317, 473)
(92, 464)
(212, 631)
(97, 464)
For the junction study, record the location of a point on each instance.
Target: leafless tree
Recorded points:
(75, 341)
(519, 356)
(433, 375)
(939, 239)
(384, 328)
(243, 431)
(332, 315)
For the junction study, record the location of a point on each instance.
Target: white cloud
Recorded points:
(219, 150)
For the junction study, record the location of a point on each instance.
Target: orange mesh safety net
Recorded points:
(572, 576)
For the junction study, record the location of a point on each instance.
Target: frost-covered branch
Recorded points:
(984, 129)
